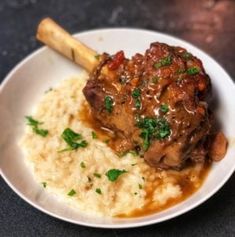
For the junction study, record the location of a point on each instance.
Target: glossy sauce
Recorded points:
(86, 117)
(187, 186)
(104, 134)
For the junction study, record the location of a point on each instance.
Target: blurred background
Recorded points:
(208, 24)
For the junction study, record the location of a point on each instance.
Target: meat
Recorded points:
(218, 147)
(156, 104)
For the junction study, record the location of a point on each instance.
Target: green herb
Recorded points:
(34, 124)
(163, 129)
(113, 174)
(97, 56)
(108, 102)
(138, 103)
(193, 70)
(136, 93)
(71, 137)
(164, 108)
(44, 184)
(135, 193)
(94, 135)
(41, 132)
(163, 62)
(153, 128)
(140, 186)
(89, 179)
(146, 139)
(155, 79)
(71, 192)
(187, 55)
(75, 146)
(133, 164)
(82, 164)
(98, 190)
(97, 175)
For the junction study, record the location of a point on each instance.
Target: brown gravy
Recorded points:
(86, 117)
(187, 186)
(104, 134)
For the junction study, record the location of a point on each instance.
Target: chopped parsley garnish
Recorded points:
(82, 164)
(193, 70)
(138, 103)
(41, 132)
(89, 179)
(98, 190)
(113, 174)
(163, 62)
(94, 135)
(187, 55)
(34, 124)
(44, 184)
(71, 193)
(140, 186)
(136, 93)
(108, 102)
(97, 175)
(135, 193)
(164, 108)
(133, 164)
(153, 128)
(71, 137)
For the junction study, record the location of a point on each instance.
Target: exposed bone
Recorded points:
(61, 41)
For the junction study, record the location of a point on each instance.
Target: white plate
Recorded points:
(26, 83)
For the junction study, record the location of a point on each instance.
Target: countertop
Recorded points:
(208, 24)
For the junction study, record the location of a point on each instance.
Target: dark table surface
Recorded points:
(208, 24)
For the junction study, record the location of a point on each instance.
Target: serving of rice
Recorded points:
(83, 171)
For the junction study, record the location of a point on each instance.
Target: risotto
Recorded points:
(92, 178)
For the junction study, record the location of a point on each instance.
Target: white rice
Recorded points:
(62, 171)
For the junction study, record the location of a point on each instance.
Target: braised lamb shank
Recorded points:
(156, 104)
